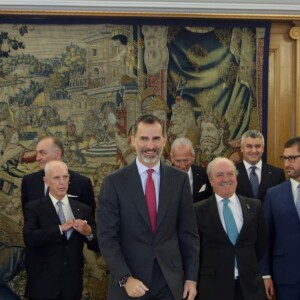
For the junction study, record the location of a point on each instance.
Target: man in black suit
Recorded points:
(183, 156)
(54, 243)
(33, 186)
(252, 148)
(229, 268)
(150, 243)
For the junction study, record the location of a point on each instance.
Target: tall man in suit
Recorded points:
(229, 266)
(183, 157)
(152, 251)
(282, 211)
(252, 148)
(54, 243)
(33, 186)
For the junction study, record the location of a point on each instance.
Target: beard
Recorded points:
(152, 158)
(208, 144)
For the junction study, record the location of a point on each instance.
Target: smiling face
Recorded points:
(223, 177)
(252, 149)
(149, 143)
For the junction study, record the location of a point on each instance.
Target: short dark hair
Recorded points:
(146, 119)
(293, 141)
(57, 143)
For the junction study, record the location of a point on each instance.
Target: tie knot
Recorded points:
(253, 168)
(59, 204)
(150, 171)
(226, 201)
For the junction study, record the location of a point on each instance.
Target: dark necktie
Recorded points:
(254, 181)
(231, 228)
(298, 200)
(151, 199)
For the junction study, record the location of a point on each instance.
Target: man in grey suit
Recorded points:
(252, 148)
(150, 254)
(229, 268)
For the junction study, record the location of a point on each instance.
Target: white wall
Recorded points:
(273, 7)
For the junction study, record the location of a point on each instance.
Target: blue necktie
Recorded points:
(62, 218)
(230, 224)
(254, 181)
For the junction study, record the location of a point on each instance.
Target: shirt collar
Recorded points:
(64, 200)
(233, 198)
(258, 165)
(142, 168)
(294, 184)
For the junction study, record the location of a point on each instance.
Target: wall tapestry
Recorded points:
(87, 82)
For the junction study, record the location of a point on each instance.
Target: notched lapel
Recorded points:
(133, 186)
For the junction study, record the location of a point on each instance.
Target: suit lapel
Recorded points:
(215, 219)
(165, 185)
(133, 186)
(288, 199)
(265, 174)
(244, 180)
(50, 210)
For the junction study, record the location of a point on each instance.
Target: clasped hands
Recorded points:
(79, 225)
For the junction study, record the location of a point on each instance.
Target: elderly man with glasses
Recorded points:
(282, 210)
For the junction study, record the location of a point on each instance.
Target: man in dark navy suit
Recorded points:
(55, 229)
(252, 148)
(183, 157)
(33, 186)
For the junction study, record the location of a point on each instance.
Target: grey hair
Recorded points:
(217, 159)
(50, 164)
(180, 142)
(254, 134)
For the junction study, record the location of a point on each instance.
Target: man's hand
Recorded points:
(269, 288)
(82, 227)
(189, 290)
(135, 287)
(66, 226)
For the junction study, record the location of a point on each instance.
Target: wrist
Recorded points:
(122, 281)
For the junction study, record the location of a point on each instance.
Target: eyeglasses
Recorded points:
(291, 158)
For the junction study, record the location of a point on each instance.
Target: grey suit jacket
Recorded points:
(217, 253)
(125, 236)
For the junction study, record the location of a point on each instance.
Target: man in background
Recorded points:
(254, 175)
(55, 230)
(282, 210)
(33, 187)
(183, 157)
(232, 239)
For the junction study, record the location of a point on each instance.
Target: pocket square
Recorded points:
(203, 188)
(74, 196)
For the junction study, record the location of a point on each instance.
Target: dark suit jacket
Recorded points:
(270, 176)
(217, 253)
(52, 262)
(283, 256)
(201, 185)
(125, 236)
(80, 188)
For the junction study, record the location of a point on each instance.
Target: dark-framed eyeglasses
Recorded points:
(290, 158)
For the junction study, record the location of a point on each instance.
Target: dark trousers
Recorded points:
(287, 291)
(159, 289)
(237, 290)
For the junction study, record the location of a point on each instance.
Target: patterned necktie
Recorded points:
(254, 181)
(298, 200)
(230, 224)
(62, 218)
(151, 199)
